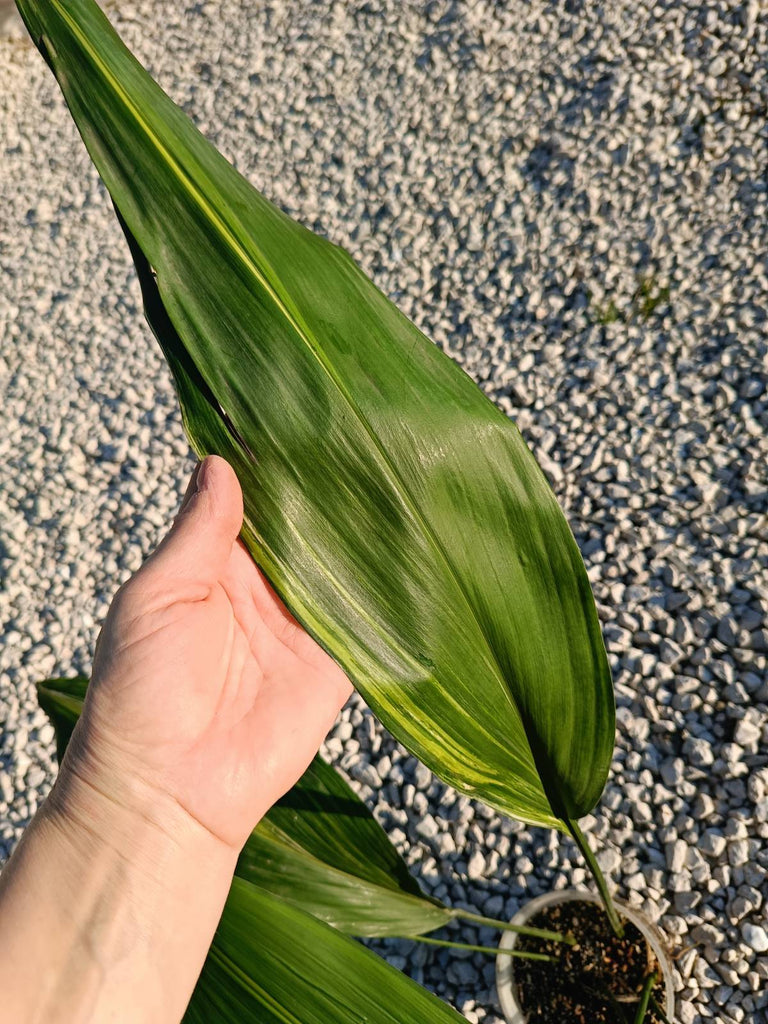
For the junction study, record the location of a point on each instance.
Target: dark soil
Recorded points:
(597, 981)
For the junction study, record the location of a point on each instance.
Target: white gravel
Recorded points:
(573, 204)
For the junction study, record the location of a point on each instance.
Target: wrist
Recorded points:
(101, 803)
(118, 891)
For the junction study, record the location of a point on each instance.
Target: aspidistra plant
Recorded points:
(396, 510)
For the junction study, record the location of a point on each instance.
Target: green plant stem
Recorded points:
(520, 929)
(602, 886)
(645, 997)
(659, 1012)
(619, 1009)
(523, 954)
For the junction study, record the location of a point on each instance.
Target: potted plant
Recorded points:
(395, 510)
(599, 978)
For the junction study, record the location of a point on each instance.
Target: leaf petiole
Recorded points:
(522, 954)
(605, 894)
(659, 1012)
(645, 997)
(520, 929)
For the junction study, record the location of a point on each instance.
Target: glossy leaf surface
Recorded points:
(272, 964)
(323, 815)
(62, 700)
(348, 902)
(397, 512)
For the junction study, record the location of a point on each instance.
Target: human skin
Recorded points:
(207, 702)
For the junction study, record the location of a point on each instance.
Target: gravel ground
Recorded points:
(572, 203)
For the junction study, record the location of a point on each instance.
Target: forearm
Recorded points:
(106, 914)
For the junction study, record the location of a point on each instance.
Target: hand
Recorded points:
(204, 687)
(207, 702)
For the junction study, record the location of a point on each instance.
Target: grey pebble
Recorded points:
(476, 866)
(676, 855)
(426, 828)
(699, 752)
(756, 937)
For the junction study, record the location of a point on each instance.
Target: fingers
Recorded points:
(199, 544)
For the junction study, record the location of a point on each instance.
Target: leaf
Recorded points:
(349, 902)
(396, 511)
(319, 847)
(62, 700)
(325, 816)
(272, 963)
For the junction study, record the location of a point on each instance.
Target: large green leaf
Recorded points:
(272, 963)
(319, 847)
(397, 512)
(348, 902)
(323, 815)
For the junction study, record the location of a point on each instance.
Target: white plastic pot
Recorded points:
(505, 965)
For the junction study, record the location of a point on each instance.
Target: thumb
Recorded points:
(199, 543)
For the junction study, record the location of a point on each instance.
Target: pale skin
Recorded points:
(207, 702)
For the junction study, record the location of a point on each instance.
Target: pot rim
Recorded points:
(505, 965)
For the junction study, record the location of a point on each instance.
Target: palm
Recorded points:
(214, 691)
(276, 695)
